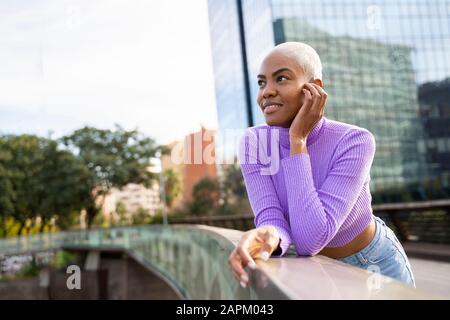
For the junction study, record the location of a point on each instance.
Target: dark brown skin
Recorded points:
(302, 101)
(283, 81)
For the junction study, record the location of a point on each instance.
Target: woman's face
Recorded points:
(280, 82)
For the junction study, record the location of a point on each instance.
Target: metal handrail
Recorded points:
(194, 258)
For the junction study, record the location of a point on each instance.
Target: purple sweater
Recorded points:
(315, 200)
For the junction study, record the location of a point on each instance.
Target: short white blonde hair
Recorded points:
(305, 55)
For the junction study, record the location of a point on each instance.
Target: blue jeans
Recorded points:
(384, 254)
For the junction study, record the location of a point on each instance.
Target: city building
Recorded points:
(192, 160)
(375, 57)
(434, 100)
(133, 197)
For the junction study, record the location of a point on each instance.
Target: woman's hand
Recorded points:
(256, 243)
(310, 112)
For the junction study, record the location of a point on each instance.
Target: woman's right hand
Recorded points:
(260, 242)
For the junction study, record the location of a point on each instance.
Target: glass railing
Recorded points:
(194, 260)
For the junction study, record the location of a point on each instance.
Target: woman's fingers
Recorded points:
(314, 92)
(257, 243)
(321, 91)
(237, 268)
(270, 244)
(259, 239)
(316, 97)
(243, 251)
(308, 99)
(304, 110)
(320, 106)
(240, 258)
(323, 101)
(310, 112)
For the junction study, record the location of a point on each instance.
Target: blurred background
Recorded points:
(99, 98)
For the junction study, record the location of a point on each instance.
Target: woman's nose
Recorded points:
(269, 91)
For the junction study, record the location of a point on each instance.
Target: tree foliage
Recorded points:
(114, 158)
(205, 197)
(172, 186)
(38, 179)
(45, 178)
(233, 186)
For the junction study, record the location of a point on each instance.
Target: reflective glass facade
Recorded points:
(385, 69)
(227, 60)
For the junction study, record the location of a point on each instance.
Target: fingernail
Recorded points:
(244, 278)
(243, 284)
(252, 265)
(265, 255)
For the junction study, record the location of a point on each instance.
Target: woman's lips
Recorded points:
(272, 108)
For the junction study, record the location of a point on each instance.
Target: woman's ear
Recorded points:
(318, 82)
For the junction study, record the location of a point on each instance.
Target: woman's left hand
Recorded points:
(260, 242)
(310, 112)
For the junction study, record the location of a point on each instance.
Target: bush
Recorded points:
(30, 269)
(63, 259)
(141, 216)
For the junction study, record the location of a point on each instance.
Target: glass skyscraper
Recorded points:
(379, 60)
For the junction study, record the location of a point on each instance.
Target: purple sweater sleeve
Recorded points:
(261, 192)
(315, 216)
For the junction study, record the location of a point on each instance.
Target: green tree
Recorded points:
(65, 180)
(121, 211)
(114, 158)
(7, 197)
(38, 179)
(21, 159)
(233, 192)
(141, 216)
(172, 186)
(233, 186)
(205, 197)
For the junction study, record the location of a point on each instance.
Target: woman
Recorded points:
(307, 177)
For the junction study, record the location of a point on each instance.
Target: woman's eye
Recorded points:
(281, 78)
(260, 83)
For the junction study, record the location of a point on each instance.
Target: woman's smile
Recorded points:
(271, 108)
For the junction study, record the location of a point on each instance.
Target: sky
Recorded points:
(141, 64)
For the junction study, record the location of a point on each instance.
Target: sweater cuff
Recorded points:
(285, 240)
(283, 245)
